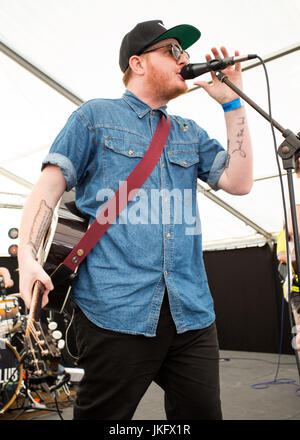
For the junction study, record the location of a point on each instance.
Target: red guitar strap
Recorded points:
(119, 201)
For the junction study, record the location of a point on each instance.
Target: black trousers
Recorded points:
(120, 367)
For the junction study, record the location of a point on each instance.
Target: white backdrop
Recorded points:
(77, 43)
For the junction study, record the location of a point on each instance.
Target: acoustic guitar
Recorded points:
(67, 228)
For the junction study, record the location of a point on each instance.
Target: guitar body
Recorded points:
(67, 228)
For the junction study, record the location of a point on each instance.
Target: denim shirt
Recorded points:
(156, 242)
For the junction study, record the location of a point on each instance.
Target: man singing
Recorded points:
(143, 309)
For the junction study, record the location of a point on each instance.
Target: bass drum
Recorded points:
(11, 375)
(9, 308)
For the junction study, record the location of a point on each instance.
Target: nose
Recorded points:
(182, 60)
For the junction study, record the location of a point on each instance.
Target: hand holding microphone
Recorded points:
(217, 90)
(191, 71)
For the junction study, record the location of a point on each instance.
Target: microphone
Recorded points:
(191, 71)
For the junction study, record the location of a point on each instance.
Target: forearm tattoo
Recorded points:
(238, 142)
(228, 155)
(40, 226)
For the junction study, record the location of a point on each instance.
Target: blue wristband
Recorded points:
(236, 103)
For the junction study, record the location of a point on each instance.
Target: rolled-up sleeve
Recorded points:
(71, 149)
(217, 169)
(65, 165)
(212, 161)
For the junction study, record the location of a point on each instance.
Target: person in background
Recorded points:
(5, 274)
(283, 261)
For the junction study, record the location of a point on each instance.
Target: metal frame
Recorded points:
(271, 57)
(11, 53)
(268, 236)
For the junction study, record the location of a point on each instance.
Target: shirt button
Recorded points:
(168, 235)
(163, 165)
(130, 152)
(166, 272)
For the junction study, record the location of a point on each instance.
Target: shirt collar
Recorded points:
(140, 107)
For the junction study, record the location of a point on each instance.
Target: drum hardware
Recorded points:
(9, 307)
(36, 368)
(2, 287)
(29, 402)
(39, 371)
(9, 326)
(11, 375)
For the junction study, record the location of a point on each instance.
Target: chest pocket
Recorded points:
(184, 166)
(120, 158)
(184, 158)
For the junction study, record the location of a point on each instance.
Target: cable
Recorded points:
(59, 412)
(276, 380)
(66, 336)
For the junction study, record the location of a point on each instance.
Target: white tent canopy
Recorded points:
(76, 44)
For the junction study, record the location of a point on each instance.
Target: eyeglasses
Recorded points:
(177, 51)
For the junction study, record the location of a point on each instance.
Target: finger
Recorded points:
(225, 52)
(213, 76)
(46, 280)
(26, 288)
(238, 67)
(204, 85)
(26, 297)
(48, 286)
(215, 52)
(28, 285)
(45, 298)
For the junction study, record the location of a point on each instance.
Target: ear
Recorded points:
(137, 64)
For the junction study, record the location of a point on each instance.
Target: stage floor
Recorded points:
(241, 398)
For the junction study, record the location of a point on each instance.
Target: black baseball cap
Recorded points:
(147, 33)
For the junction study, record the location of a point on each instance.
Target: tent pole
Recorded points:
(234, 212)
(40, 74)
(15, 178)
(271, 57)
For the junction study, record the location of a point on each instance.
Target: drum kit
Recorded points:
(28, 366)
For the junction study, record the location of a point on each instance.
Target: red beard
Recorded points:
(165, 85)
